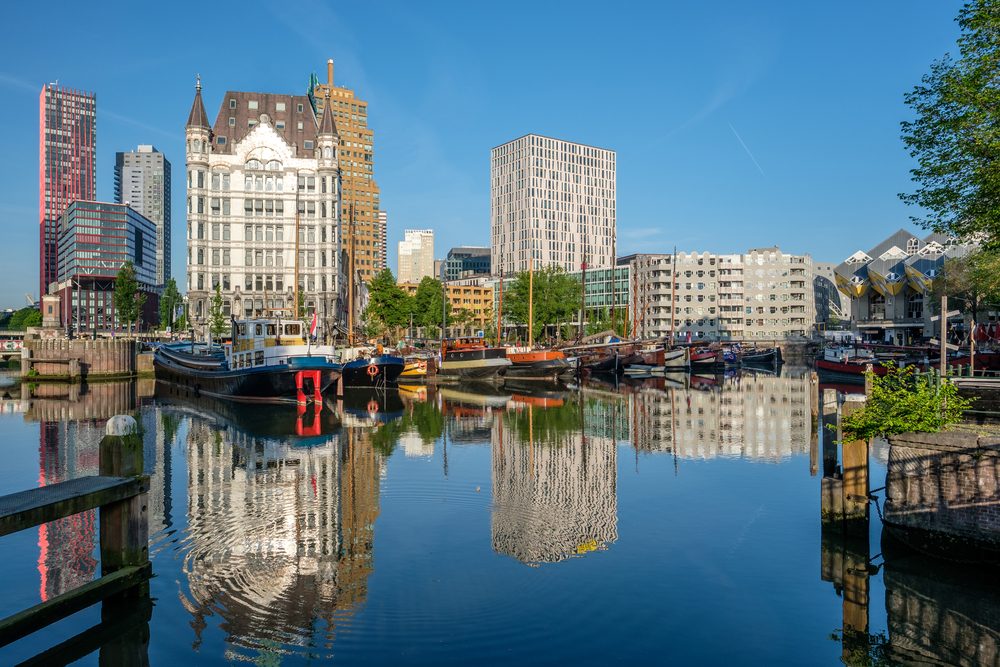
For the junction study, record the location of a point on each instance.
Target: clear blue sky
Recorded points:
(813, 90)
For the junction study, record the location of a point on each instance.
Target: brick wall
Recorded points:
(946, 483)
(97, 357)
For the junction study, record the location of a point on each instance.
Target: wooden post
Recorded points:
(868, 380)
(944, 335)
(124, 524)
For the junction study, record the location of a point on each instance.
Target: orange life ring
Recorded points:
(372, 370)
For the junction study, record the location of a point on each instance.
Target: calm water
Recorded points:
(659, 521)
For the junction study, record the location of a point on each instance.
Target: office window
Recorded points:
(225, 230)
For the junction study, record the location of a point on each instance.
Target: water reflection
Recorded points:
(281, 513)
(554, 487)
(274, 510)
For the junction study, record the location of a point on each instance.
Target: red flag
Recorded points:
(312, 327)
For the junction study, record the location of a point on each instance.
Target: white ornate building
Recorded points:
(264, 168)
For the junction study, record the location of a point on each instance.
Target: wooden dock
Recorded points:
(119, 493)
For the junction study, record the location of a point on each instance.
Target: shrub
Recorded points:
(901, 402)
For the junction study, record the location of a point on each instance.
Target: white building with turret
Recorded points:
(265, 170)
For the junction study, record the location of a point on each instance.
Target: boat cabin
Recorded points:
(469, 343)
(269, 343)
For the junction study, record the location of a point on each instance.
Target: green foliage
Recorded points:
(865, 650)
(974, 280)
(217, 322)
(127, 298)
(426, 305)
(168, 304)
(903, 403)
(955, 136)
(181, 323)
(24, 318)
(556, 298)
(388, 304)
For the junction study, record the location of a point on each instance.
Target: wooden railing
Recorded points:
(119, 492)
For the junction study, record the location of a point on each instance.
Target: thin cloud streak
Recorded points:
(125, 119)
(747, 150)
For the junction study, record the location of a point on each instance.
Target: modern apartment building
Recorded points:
(142, 180)
(470, 296)
(553, 202)
(415, 256)
(357, 172)
(67, 166)
(464, 262)
(266, 168)
(764, 293)
(95, 240)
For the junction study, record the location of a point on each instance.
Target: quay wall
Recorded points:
(102, 357)
(943, 493)
(940, 616)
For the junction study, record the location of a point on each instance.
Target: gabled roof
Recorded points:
(198, 117)
(283, 110)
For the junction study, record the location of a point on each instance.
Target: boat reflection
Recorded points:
(281, 511)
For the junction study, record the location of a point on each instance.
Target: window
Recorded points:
(300, 111)
(280, 106)
(258, 258)
(215, 259)
(280, 125)
(225, 210)
(225, 181)
(225, 262)
(232, 104)
(300, 124)
(221, 141)
(232, 122)
(248, 261)
(252, 104)
(215, 230)
(308, 145)
(248, 233)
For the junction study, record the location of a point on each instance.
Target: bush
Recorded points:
(903, 403)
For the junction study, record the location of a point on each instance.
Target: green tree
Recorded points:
(168, 304)
(427, 304)
(388, 304)
(24, 318)
(556, 298)
(955, 136)
(181, 323)
(217, 322)
(127, 298)
(973, 281)
(900, 403)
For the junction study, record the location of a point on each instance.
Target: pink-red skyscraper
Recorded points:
(67, 165)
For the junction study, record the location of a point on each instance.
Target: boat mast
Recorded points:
(350, 277)
(673, 294)
(295, 302)
(531, 306)
(500, 307)
(583, 288)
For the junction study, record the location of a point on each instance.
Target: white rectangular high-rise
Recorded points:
(553, 201)
(415, 259)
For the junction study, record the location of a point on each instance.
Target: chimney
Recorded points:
(329, 72)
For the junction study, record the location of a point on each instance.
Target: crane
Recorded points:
(31, 302)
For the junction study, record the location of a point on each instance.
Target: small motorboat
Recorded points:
(528, 364)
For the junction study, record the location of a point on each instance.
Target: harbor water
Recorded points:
(649, 521)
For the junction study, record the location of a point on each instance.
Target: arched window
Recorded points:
(329, 152)
(254, 164)
(273, 165)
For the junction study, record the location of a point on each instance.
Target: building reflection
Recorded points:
(741, 413)
(554, 484)
(280, 526)
(71, 424)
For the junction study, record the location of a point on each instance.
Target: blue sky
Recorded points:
(736, 124)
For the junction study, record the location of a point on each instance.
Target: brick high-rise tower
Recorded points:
(67, 165)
